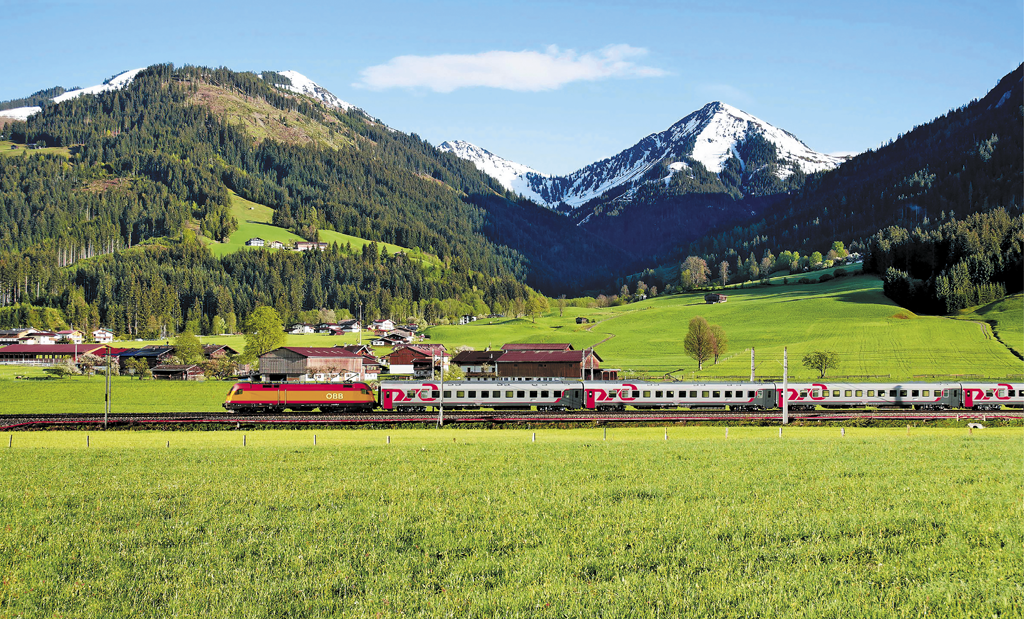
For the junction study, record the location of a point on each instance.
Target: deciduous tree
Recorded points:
(822, 361)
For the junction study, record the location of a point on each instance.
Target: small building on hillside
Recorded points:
(580, 320)
(309, 245)
(276, 245)
(103, 336)
(70, 336)
(255, 242)
(714, 297)
(382, 325)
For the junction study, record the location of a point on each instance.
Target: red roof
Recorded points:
(538, 346)
(539, 356)
(51, 349)
(313, 351)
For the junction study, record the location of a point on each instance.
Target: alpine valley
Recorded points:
(123, 204)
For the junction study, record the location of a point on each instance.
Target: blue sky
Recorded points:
(555, 85)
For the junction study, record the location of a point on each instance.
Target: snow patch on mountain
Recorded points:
(300, 84)
(512, 176)
(117, 82)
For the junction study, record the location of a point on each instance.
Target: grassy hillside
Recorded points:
(850, 316)
(7, 151)
(1006, 317)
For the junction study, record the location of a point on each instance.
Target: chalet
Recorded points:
(46, 354)
(465, 319)
(389, 340)
(154, 355)
(371, 364)
(714, 297)
(13, 336)
(382, 325)
(39, 337)
(418, 360)
(478, 364)
(70, 336)
(404, 334)
(308, 245)
(294, 363)
(103, 336)
(276, 245)
(218, 351)
(522, 364)
(346, 326)
(255, 242)
(300, 329)
(178, 372)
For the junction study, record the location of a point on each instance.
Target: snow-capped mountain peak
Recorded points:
(711, 136)
(302, 85)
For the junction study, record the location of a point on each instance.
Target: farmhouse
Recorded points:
(714, 297)
(478, 364)
(382, 325)
(70, 336)
(418, 360)
(154, 355)
(523, 364)
(103, 336)
(308, 245)
(294, 363)
(218, 351)
(538, 346)
(255, 242)
(13, 336)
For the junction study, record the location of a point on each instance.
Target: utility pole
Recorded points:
(360, 323)
(785, 386)
(751, 364)
(440, 403)
(106, 395)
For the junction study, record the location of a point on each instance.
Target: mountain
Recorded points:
(512, 176)
(717, 137)
(117, 82)
(298, 83)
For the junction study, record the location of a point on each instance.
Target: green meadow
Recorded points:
(6, 150)
(477, 523)
(850, 315)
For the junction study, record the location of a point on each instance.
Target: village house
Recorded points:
(420, 360)
(301, 329)
(276, 245)
(218, 351)
(382, 325)
(389, 340)
(255, 242)
(70, 336)
(478, 364)
(103, 336)
(308, 245)
(524, 364)
(154, 355)
(13, 336)
(346, 326)
(39, 337)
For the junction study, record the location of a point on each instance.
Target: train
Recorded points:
(565, 395)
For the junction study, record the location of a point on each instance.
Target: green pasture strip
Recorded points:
(82, 394)
(473, 523)
(253, 221)
(330, 236)
(849, 315)
(1006, 318)
(7, 151)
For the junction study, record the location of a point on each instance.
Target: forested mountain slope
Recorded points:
(157, 158)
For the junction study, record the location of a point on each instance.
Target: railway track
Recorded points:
(76, 420)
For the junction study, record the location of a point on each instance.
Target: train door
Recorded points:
(572, 399)
(591, 399)
(282, 396)
(767, 399)
(386, 401)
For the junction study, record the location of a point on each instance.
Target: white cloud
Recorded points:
(521, 71)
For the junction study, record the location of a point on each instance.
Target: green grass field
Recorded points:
(7, 151)
(849, 315)
(476, 523)
(1006, 318)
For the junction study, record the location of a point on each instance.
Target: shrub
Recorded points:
(825, 277)
(840, 273)
(803, 280)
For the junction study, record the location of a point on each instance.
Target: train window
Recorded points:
(647, 394)
(849, 393)
(803, 393)
(460, 394)
(485, 394)
(751, 394)
(509, 395)
(703, 394)
(435, 394)
(472, 394)
(988, 393)
(728, 394)
(558, 394)
(520, 394)
(1011, 393)
(544, 394)
(693, 394)
(716, 394)
(410, 394)
(816, 394)
(533, 394)
(871, 393)
(860, 393)
(835, 393)
(925, 393)
(659, 394)
(892, 393)
(670, 394)
(636, 394)
(914, 393)
(447, 394)
(903, 393)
